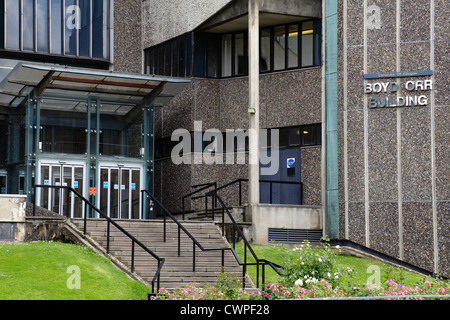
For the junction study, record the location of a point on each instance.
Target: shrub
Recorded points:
(306, 264)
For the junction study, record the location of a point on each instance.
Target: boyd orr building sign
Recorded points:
(409, 93)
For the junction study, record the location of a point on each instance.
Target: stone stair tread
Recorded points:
(177, 270)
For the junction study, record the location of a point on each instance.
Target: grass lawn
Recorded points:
(40, 271)
(359, 266)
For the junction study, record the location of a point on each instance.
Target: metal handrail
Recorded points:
(181, 227)
(262, 262)
(110, 221)
(239, 181)
(259, 262)
(201, 187)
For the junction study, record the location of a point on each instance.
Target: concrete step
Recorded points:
(178, 269)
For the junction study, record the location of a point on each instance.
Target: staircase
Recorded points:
(177, 271)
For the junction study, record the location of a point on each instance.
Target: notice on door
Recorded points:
(290, 162)
(92, 191)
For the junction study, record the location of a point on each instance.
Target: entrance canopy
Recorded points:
(68, 89)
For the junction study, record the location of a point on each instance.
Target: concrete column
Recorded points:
(253, 63)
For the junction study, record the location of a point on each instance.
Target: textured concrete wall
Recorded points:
(285, 100)
(163, 20)
(393, 180)
(128, 36)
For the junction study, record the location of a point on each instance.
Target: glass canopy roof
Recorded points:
(68, 89)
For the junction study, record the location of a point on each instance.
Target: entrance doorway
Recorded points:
(58, 200)
(286, 186)
(119, 191)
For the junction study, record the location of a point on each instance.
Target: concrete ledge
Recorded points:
(265, 216)
(12, 217)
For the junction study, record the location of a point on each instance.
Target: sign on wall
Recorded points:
(400, 92)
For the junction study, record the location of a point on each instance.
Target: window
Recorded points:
(307, 44)
(300, 136)
(279, 46)
(265, 48)
(292, 46)
(282, 47)
(62, 27)
(226, 55)
(173, 58)
(56, 27)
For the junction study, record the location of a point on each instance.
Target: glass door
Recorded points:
(120, 192)
(60, 200)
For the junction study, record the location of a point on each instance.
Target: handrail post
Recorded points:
(179, 240)
(223, 222)
(182, 207)
(206, 207)
(257, 273)
(263, 276)
(164, 233)
(244, 269)
(193, 257)
(67, 204)
(85, 217)
(132, 256)
(34, 202)
(107, 236)
(223, 258)
(240, 192)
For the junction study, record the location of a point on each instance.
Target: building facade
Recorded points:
(358, 92)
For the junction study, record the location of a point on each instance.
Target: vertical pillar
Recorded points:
(253, 54)
(149, 152)
(29, 149)
(331, 113)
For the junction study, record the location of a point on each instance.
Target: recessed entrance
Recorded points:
(119, 190)
(62, 174)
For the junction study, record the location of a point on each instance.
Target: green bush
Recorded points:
(306, 264)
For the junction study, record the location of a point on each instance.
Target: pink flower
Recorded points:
(266, 295)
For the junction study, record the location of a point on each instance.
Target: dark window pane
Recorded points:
(98, 36)
(28, 25)
(182, 57)
(56, 27)
(213, 57)
(64, 140)
(265, 63)
(294, 136)
(200, 55)
(226, 55)
(308, 135)
(167, 59)
(175, 58)
(317, 43)
(239, 54)
(283, 136)
(84, 31)
(279, 46)
(12, 24)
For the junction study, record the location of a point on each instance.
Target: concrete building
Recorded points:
(358, 91)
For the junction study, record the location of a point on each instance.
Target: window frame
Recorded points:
(60, 51)
(193, 56)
